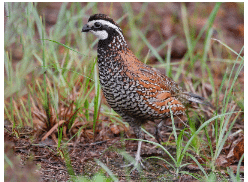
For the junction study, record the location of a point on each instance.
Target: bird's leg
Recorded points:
(157, 132)
(138, 160)
(137, 157)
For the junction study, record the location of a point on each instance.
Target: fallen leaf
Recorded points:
(114, 129)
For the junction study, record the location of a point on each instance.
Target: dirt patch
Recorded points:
(47, 163)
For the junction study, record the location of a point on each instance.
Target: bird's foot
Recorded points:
(137, 164)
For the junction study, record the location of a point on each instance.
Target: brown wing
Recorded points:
(157, 89)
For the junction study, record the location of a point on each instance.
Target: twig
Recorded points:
(52, 129)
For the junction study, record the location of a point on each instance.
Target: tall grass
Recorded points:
(41, 57)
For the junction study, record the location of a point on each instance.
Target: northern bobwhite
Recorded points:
(136, 91)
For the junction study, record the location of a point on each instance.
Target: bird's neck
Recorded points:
(111, 46)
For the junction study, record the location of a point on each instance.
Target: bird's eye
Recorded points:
(97, 25)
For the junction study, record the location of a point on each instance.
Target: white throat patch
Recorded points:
(100, 34)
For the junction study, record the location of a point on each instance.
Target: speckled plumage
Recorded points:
(136, 91)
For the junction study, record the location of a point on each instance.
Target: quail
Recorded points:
(136, 91)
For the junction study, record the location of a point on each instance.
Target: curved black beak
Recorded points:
(86, 28)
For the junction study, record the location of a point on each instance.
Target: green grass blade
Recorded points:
(158, 145)
(153, 50)
(198, 164)
(107, 170)
(229, 48)
(201, 127)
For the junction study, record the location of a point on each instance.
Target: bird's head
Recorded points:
(103, 27)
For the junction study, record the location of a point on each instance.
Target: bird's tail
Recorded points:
(190, 97)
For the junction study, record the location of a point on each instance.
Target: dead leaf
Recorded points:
(114, 129)
(221, 161)
(239, 150)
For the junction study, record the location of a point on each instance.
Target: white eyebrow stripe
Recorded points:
(104, 22)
